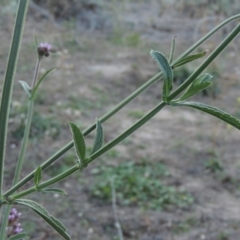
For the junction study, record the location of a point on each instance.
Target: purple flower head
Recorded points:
(44, 49)
(14, 227)
(17, 228)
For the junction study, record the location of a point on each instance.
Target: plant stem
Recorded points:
(24, 142)
(5, 221)
(100, 152)
(206, 37)
(86, 132)
(115, 211)
(8, 82)
(43, 185)
(35, 77)
(121, 105)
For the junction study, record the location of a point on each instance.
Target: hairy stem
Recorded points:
(3, 231)
(8, 82)
(24, 142)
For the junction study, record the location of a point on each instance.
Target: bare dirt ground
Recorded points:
(93, 75)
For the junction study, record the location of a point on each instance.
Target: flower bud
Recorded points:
(44, 49)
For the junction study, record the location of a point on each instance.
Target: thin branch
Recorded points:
(115, 214)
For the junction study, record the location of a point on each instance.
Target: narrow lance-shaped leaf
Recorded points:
(54, 190)
(18, 236)
(201, 82)
(212, 111)
(98, 141)
(6, 94)
(172, 49)
(40, 210)
(166, 71)
(189, 58)
(25, 87)
(79, 142)
(40, 81)
(38, 176)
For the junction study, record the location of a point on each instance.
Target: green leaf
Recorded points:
(6, 95)
(18, 236)
(54, 190)
(98, 141)
(40, 210)
(201, 82)
(212, 111)
(38, 176)
(172, 49)
(79, 142)
(25, 87)
(40, 81)
(166, 71)
(189, 58)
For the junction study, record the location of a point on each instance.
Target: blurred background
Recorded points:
(177, 177)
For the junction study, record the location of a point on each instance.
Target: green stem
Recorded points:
(206, 37)
(8, 82)
(43, 185)
(125, 134)
(119, 106)
(85, 132)
(24, 142)
(35, 77)
(100, 152)
(5, 221)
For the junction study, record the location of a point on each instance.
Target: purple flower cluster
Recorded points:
(14, 227)
(44, 49)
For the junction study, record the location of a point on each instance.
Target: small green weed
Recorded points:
(113, 153)
(223, 236)
(185, 225)
(132, 39)
(213, 165)
(139, 184)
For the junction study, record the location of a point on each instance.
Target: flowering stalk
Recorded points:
(44, 50)
(14, 227)
(36, 72)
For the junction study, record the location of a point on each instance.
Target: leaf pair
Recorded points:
(79, 142)
(167, 71)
